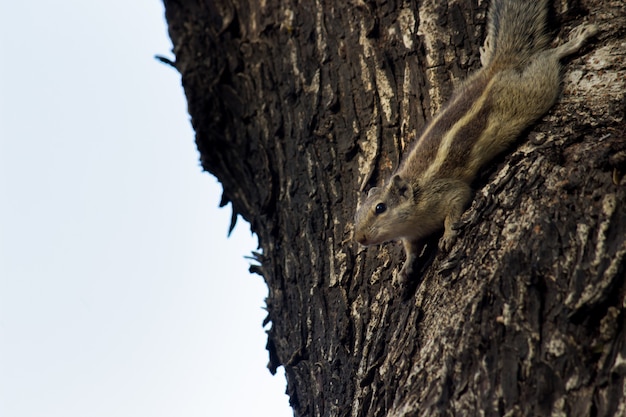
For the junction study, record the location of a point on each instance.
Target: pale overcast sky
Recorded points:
(119, 292)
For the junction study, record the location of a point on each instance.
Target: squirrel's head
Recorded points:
(384, 214)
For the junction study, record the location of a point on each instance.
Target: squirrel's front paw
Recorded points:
(583, 32)
(447, 240)
(403, 276)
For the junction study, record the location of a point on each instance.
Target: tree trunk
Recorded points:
(299, 106)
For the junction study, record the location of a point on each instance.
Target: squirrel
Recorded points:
(518, 82)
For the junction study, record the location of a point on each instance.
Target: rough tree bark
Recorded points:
(300, 106)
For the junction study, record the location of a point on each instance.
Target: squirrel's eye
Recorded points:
(380, 208)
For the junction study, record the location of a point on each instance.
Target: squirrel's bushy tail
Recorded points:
(517, 29)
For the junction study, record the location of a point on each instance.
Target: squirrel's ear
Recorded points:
(401, 186)
(373, 191)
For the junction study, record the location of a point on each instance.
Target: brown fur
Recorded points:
(519, 82)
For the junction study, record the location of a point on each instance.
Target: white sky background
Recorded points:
(119, 293)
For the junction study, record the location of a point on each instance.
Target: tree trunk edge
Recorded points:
(549, 341)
